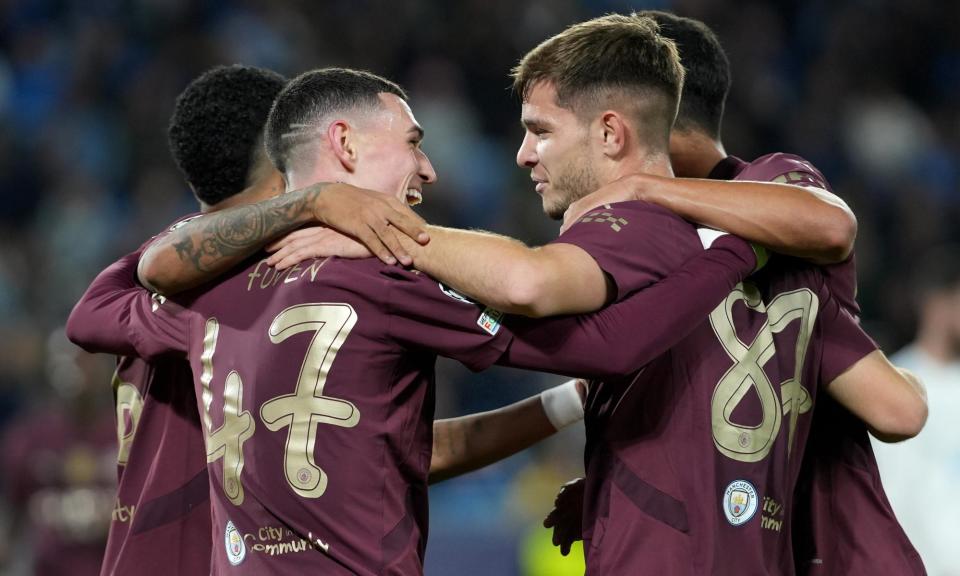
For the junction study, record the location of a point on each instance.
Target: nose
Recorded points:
(425, 169)
(527, 154)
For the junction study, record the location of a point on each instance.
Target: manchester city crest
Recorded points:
(233, 541)
(739, 502)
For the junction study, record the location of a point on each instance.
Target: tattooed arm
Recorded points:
(467, 443)
(206, 247)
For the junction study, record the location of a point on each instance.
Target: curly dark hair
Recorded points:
(708, 71)
(312, 95)
(217, 126)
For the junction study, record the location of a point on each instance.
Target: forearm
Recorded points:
(799, 221)
(464, 444)
(206, 247)
(891, 401)
(509, 276)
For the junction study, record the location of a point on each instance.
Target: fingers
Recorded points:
(387, 235)
(551, 519)
(298, 236)
(374, 240)
(563, 535)
(408, 222)
(318, 244)
(289, 256)
(299, 246)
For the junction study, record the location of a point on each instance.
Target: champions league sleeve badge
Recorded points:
(739, 502)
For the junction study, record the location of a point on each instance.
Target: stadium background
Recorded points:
(867, 90)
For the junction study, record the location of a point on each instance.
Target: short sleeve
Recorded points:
(844, 342)
(177, 224)
(791, 169)
(783, 168)
(426, 314)
(634, 243)
(841, 278)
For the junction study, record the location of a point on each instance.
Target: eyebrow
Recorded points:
(530, 123)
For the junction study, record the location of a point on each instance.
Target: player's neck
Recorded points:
(653, 164)
(300, 177)
(694, 154)
(261, 189)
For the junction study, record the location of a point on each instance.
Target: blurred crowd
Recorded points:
(867, 90)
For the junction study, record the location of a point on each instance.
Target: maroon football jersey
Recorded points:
(691, 462)
(316, 389)
(161, 517)
(844, 523)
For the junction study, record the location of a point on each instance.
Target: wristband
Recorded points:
(562, 404)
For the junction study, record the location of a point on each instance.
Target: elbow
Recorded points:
(152, 274)
(903, 422)
(438, 471)
(525, 294)
(75, 329)
(913, 419)
(839, 235)
(81, 328)
(619, 363)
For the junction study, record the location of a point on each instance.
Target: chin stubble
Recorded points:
(575, 183)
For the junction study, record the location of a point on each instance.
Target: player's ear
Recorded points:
(343, 141)
(613, 132)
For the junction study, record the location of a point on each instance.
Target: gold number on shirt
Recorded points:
(753, 443)
(225, 442)
(305, 409)
(129, 401)
(301, 412)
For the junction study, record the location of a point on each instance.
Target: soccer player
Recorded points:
(161, 519)
(162, 506)
(845, 524)
(331, 472)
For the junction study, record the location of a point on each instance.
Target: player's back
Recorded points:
(317, 387)
(844, 522)
(161, 517)
(691, 463)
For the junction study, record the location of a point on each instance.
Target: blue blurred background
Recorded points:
(867, 90)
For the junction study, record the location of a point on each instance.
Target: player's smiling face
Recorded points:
(556, 149)
(391, 160)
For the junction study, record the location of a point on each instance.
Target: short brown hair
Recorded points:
(589, 61)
